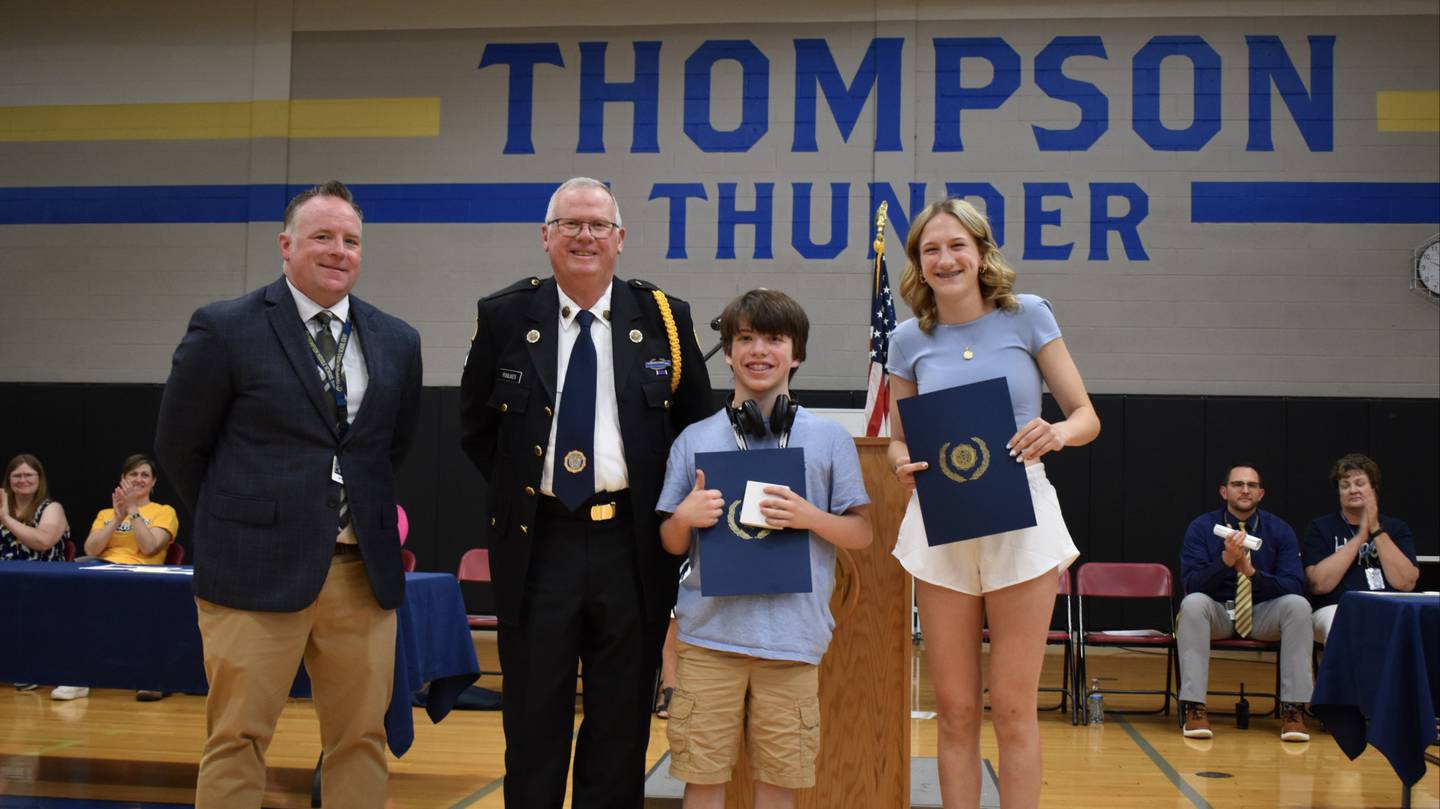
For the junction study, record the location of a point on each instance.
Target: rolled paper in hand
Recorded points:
(1251, 541)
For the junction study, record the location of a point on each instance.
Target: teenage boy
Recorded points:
(749, 665)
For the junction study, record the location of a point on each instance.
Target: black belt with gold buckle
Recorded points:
(602, 507)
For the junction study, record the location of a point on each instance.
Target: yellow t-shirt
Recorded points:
(123, 549)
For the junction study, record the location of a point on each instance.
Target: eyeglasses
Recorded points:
(571, 227)
(1244, 484)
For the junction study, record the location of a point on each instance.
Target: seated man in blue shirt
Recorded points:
(1232, 591)
(1357, 547)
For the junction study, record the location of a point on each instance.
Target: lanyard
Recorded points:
(1253, 521)
(334, 379)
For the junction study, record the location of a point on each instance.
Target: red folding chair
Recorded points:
(175, 555)
(1066, 638)
(69, 550)
(1246, 645)
(407, 559)
(475, 567)
(1128, 580)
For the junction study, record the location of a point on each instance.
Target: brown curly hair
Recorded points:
(997, 279)
(1356, 462)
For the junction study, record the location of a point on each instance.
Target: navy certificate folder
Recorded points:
(740, 560)
(973, 487)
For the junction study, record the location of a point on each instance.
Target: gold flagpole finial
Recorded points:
(880, 227)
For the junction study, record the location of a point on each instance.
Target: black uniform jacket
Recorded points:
(507, 402)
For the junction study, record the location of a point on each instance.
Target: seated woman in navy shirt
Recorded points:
(1356, 548)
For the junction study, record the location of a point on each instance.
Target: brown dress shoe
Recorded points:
(1197, 723)
(1292, 724)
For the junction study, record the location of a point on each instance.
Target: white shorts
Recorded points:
(978, 566)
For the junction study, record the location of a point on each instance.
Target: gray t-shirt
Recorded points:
(789, 626)
(1001, 343)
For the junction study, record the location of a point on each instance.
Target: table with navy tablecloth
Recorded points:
(111, 626)
(1380, 678)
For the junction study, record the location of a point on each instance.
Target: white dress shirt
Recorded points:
(357, 378)
(611, 474)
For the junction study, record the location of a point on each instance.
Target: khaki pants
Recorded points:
(348, 644)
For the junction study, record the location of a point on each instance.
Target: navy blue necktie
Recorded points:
(575, 434)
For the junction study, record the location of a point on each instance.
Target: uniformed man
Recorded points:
(573, 390)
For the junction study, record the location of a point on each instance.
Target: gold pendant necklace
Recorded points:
(968, 355)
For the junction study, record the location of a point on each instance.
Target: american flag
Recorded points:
(882, 322)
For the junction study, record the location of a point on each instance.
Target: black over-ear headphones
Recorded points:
(748, 420)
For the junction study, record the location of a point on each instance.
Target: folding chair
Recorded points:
(175, 555)
(1246, 645)
(69, 550)
(1129, 580)
(407, 559)
(475, 567)
(1066, 638)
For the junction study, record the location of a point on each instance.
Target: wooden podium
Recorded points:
(865, 676)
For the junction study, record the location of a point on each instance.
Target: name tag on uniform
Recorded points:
(1375, 578)
(335, 473)
(507, 375)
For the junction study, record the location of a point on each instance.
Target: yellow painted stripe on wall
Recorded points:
(225, 120)
(1407, 111)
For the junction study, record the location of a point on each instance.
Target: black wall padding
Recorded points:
(1127, 497)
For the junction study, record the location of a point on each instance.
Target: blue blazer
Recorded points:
(247, 434)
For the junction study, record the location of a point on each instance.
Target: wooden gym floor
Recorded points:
(110, 751)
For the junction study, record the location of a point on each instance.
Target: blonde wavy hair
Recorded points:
(997, 279)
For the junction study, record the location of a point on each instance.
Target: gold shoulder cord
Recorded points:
(672, 334)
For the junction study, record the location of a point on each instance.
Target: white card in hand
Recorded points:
(750, 509)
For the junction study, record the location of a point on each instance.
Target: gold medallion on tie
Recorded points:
(575, 461)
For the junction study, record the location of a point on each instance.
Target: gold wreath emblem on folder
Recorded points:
(970, 458)
(738, 529)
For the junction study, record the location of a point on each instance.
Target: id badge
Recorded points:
(335, 473)
(1375, 578)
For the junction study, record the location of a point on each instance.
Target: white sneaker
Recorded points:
(66, 692)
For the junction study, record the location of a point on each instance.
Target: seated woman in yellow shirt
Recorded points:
(135, 530)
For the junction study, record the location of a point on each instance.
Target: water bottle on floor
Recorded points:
(1095, 704)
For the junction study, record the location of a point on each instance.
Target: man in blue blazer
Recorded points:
(282, 422)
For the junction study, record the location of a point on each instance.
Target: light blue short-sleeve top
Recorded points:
(1001, 344)
(789, 626)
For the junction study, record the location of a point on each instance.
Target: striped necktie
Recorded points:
(1244, 602)
(325, 341)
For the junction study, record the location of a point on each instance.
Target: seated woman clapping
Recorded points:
(135, 530)
(32, 526)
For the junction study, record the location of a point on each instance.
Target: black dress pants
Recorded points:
(583, 603)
